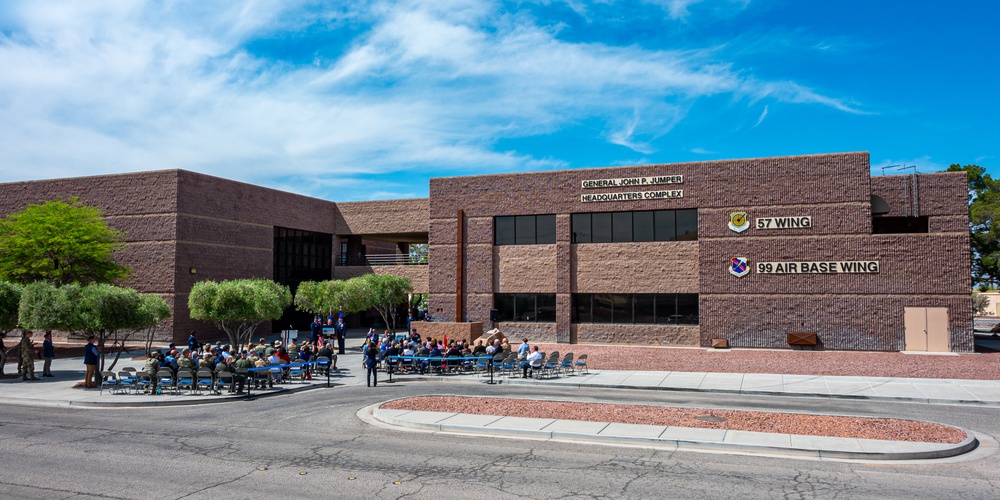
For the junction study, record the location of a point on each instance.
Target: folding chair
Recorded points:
(127, 380)
(143, 380)
(226, 379)
(205, 379)
(109, 380)
(551, 365)
(581, 364)
(165, 380)
(296, 371)
(185, 378)
(566, 365)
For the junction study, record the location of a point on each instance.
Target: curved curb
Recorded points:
(936, 451)
(155, 404)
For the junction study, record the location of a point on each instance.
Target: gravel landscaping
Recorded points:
(756, 421)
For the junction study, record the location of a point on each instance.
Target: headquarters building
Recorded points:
(769, 252)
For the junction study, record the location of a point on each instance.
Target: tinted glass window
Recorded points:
(581, 308)
(687, 309)
(504, 231)
(545, 229)
(524, 230)
(687, 225)
(666, 226)
(642, 226)
(645, 311)
(621, 226)
(603, 307)
(581, 228)
(623, 308)
(504, 303)
(666, 309)
(601, 226)
(545, 306)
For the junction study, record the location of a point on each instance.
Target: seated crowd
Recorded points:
(221, 359)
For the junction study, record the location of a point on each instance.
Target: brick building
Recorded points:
(749, 251)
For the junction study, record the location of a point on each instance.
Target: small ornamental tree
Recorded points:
(319, 297)
(385, 293)
(238, 307)
(60, 242)
(152, 312)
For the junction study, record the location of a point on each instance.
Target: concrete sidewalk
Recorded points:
(671, 438)
(924, 390)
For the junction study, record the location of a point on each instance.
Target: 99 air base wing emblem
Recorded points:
(739, 267)
(738, 221)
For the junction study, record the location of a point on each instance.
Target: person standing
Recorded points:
(91, 356)
(27, 357)
(48, 352)
(371, 363)
(316, 329)
(341, 330)
(193, 343)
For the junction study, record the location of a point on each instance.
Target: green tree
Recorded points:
(154, 310)
(419, 253)
(320, 297)
(60, 242)
(237, 307)
(385, 293)
(10, 300)
(984, 224)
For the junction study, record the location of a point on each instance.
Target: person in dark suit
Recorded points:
(371, 362)
(316, 329)
(341, 329)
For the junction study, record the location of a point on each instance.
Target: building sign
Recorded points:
(802, 221)
(840, 267)
(632, 196)
(633, 181)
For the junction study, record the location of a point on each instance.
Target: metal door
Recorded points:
(926, 329)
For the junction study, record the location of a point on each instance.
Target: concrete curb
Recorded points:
(742, 442)
(583, 385)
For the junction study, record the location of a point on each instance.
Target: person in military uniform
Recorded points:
(240, 378)
(27, 357)
(151, 367)
(186, 362)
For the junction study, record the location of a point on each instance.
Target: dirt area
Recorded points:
(984, 366)
(755, 421)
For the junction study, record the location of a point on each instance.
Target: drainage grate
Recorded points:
(711, 418)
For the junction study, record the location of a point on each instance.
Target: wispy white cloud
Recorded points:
(702, 151)
(97, 87)
(763, 115)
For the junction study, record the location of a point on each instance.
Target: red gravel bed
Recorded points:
(848, 363)
(738, 420)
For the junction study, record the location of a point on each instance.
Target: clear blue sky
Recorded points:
(364, 100)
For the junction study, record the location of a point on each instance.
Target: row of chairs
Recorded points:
(552, 365)
(130, 380)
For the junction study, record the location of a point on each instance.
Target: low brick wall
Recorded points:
(454, 331)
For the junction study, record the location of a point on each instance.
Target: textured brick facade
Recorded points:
(185, 227)
(848, 311)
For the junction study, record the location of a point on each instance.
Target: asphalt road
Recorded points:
(313, 445)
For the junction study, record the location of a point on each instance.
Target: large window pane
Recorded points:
(642, 226)
(687, 308)
(603, 307)
(581, 228)
(524, 307)
(666, 226)
(545, 229)
(504, 303)
(601, 225)
(687, 225)
(623, 308)
(503, 231)
(524, 230)
(546, 307)
(666, 309)
(645, 311)
(621, 226)
(581, 308)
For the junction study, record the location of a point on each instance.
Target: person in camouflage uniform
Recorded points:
(186, 362)
(27, 357)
